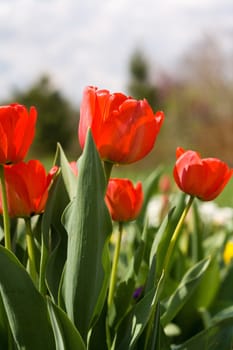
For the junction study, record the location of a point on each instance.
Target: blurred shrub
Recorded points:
(197, 101)
(140, 85)
(57, 118)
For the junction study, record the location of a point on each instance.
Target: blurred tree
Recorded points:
(203, 103)
(56, 119)
(140, 85)
(197, 100)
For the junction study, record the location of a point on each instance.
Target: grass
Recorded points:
(225, 199)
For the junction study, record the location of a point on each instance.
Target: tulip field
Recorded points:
(92, 261)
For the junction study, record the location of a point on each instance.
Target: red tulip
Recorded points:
(17, 129)
(124, 201)
(27, 188)
(123, 128)
(204, 178)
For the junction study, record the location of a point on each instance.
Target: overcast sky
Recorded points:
(89, 42)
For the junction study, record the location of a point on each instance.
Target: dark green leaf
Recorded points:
(122, 300)
(54, 249)
(70, 180)
(4, 327)
(67, 336)
(88, 224)
(156, 339)
(163, 237)
(184, 291)
(137, 319)
(217, 337)
(25, 308)
(150, 187)
(98, 337)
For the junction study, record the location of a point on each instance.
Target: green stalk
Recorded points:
(31, 251)
(176, 235)
(6, 219)
(113, 276)
(196, 237)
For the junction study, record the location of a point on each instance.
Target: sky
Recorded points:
(90, 42)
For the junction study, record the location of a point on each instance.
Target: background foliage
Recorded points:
(57, 117)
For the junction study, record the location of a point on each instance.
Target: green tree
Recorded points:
(140, 85)
(56, 119)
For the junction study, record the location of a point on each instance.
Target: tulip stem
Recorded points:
(31, 251)
(114, 266)
(6, 219)
(175, 236)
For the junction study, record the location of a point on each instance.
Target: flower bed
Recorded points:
(88, 262)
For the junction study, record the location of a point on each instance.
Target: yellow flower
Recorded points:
(228, 252)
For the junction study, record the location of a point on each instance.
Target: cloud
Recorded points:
(90, 42)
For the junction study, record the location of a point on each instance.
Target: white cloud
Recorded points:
(89, 42)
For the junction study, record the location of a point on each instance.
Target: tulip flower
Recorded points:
(17, 129)
(124, 129)
(204, 178)
(124, 201)
(27, 186)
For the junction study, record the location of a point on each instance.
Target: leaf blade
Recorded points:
(88, 224)
(25, 308)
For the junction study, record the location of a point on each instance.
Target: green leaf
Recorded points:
(137, 319)
(55, 236)
(150, 186)
(163, 237)
(161, 242)
(219, 336)
(156, 339)
(225, 294)
(222, 315)
(55, 264)
(98, 337)
(4, 327)
(25, 308)
(204, 296)
(67, 336)
(70, 180)
(88, 224)
(122, 300)
(54, 250)
(184, 291)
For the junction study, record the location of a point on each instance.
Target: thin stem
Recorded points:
(31, 251)
(197, 250)
(114, 266)
(6, 219)
(176, 235)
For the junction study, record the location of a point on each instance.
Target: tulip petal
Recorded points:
(124, 129)
(204, 178)
(27, 188)
(124, 201)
